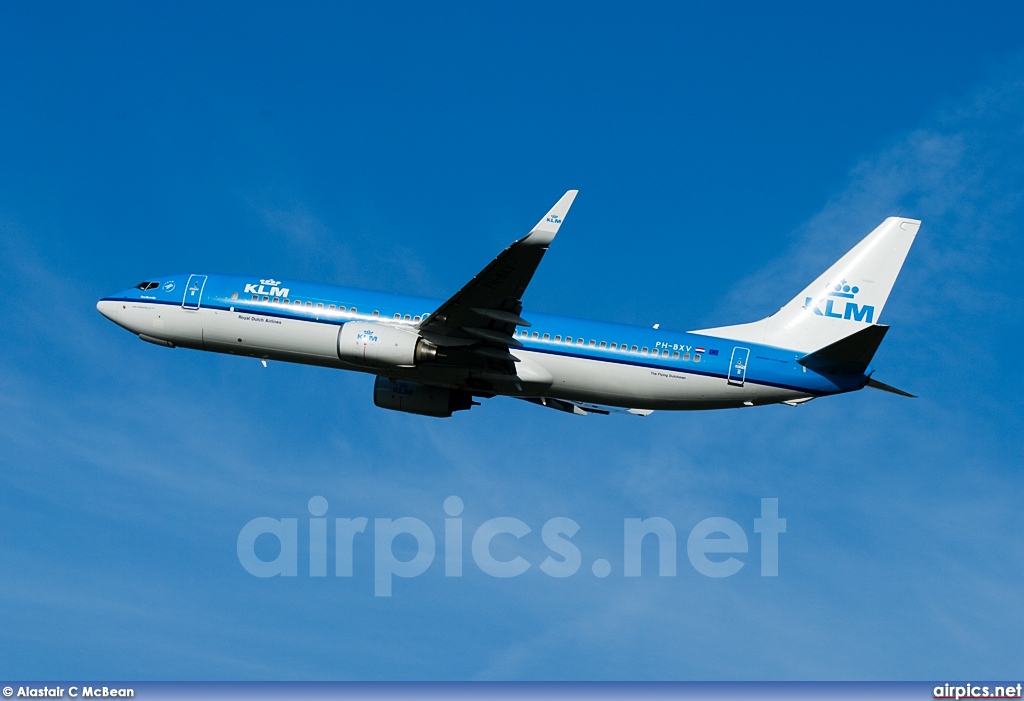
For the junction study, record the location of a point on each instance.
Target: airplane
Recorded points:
(435, 358)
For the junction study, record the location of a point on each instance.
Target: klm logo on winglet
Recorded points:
(841, 297)
(274, 291)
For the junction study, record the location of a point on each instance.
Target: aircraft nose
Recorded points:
(108, 309)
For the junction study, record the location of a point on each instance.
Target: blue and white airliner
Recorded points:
(435, 358)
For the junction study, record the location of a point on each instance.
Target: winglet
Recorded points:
(544, 232)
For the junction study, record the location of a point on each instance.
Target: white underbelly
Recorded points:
(256, 334)
(577, 379)
(640, 387)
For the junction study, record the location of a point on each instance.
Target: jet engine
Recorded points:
(382, 345)
(416, 398)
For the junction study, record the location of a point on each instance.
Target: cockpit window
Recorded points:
(147, 286)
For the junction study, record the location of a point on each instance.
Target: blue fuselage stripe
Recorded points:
(217, 298)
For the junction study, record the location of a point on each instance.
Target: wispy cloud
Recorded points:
(328, 253)
(883, 496)
(960, 173)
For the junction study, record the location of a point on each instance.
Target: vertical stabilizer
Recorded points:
(845, 299)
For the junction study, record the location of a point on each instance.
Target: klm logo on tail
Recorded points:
(838, 296)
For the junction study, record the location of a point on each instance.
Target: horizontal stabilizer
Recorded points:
(889, 388)
(850, 355)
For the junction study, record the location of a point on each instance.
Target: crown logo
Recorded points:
(843, 289)
(270, 281)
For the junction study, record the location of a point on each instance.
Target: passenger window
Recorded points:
(397, 316)
(643, 351)
(593, 342)
(234, 295)
(603, 344)
(632, 349)
(354, 310)
(579, 341)
(675, 355)
(297, 303)
(664, 354)
(407, 317)
(266, 298)
(536, 335)
(415, 318)
(255, 298)
(558, 338)
(375, 312)
(341, 308)
(696, 357)
(330, 307)
(320, 305)
(276, 300)
(613, 346)
(686, 355)
(568, 339)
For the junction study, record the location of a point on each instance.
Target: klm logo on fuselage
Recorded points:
(840, 304)
(262, 289)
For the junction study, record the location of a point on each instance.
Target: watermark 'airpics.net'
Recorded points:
(712, 545)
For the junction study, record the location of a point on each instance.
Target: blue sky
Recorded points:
(724, 158)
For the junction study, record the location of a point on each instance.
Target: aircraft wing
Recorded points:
(584, 408)
(482, 317)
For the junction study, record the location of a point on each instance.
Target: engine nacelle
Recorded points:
(416, 398)
(382, 345)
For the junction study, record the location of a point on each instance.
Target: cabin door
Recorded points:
(194, 291)
(738, 366)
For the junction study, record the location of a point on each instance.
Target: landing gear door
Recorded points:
(193, 291)
(738, 366)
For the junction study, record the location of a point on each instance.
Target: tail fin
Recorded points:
(845, 299)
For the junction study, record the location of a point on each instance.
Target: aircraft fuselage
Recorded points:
(561, 358)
